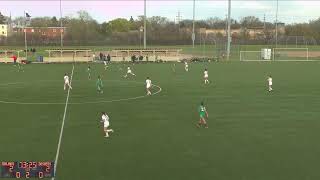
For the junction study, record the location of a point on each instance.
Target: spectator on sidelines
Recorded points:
(14, 57)
(101, 56)
(108, 58)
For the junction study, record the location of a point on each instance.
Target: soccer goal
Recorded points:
(68, 55)
(290, 54)
(253, 56)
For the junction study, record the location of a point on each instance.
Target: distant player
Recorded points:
(99, 85)
(186, 66)
(203, 114)
(106, 124)
(148, 86)
(20, 66)
(66, 82)
(129, 71)
(206, 76)
(270, 83)
(89, 72)
(105, 64)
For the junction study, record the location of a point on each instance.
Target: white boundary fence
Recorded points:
(275, 50)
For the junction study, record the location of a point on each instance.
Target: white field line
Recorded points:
(62, 126)
(80, 103)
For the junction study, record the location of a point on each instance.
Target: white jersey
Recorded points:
(270, 81)
(66, 79)
(206, 74)
(148, 83)
(105, 119)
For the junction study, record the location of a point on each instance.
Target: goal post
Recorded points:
(290, 54)
(254, 56)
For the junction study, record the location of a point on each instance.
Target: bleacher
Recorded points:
(153, 54)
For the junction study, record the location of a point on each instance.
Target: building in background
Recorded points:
(40, 35)
(3, 30)
(46, 32)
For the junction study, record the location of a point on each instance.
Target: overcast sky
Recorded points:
(290, 11)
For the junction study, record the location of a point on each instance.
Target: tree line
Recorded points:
(82, 29)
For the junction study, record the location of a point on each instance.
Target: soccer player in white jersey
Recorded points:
(270, 83)
(89, 72)
(66, 82)
(106, 124)
(129, 71)
(186, 66)
(105, 64)
(206, 76)
(148, 86)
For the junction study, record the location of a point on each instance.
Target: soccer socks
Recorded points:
(107, 132)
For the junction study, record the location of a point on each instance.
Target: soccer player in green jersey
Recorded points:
(89, 72)
(203, 114)
(99, 85)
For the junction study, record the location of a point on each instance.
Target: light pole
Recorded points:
(25, 34)
(277, 23)
(229, 33)
(193, 34)
(145, 25)
(140, 31)
(61, 31)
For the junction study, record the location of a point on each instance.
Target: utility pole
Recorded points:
(229, 26)
(193, 33)
(145, 25)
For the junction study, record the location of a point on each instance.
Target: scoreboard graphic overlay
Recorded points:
(26, 169)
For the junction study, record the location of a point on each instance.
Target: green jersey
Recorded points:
(99, 83)
(202, 111)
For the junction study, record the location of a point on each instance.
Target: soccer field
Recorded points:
(252, 134)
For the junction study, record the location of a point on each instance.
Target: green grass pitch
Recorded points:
(252, 134)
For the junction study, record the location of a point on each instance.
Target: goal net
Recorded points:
(290, 54)
(253, 56)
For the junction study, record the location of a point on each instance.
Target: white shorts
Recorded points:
(106, 124)
(66, 82)
(270, 84)
(148, 86)
(129, 72)
(206, 76)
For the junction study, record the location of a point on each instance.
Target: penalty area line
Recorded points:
(62, 127)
